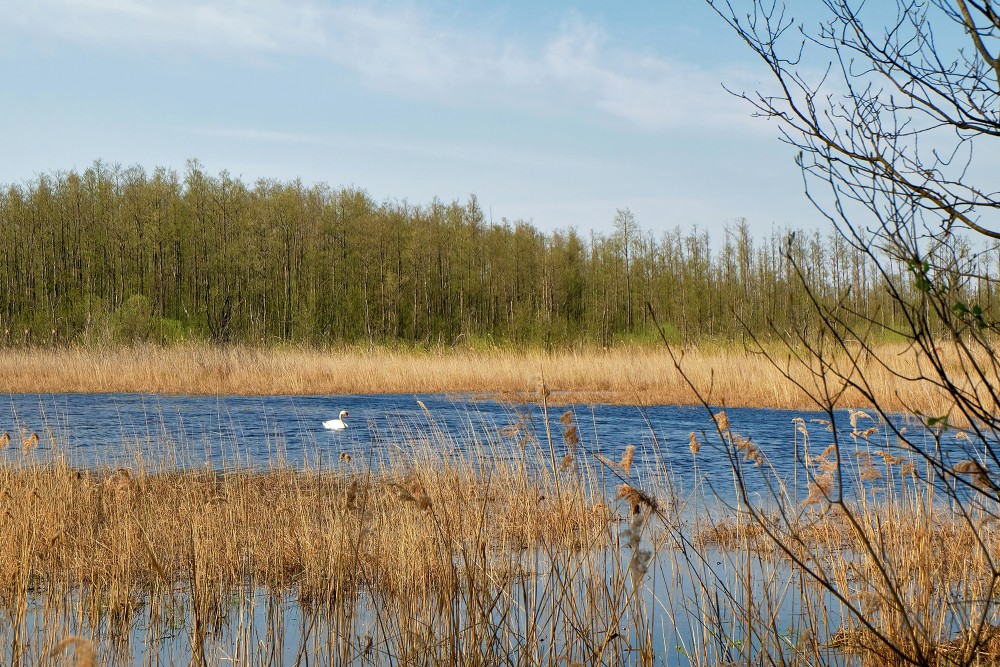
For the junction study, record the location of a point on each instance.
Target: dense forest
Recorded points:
(119, 255)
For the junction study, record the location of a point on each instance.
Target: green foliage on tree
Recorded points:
(117, 255)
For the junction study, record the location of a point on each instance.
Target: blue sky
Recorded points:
(557, 113)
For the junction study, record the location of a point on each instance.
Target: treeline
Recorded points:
(122, 255)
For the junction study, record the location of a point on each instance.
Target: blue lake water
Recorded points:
(227, 431)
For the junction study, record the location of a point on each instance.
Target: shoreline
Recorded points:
(726, 376)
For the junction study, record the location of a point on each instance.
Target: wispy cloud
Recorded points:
(477, 153)
(407, 51)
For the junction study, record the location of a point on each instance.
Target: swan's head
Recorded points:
(343, 413)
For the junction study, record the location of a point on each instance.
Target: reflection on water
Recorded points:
(565, 609)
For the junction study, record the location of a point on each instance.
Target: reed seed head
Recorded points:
(856, 415)
(30, 443)
(693, 444)
(636, 498)
(626, 464)
(722, 421)
(888, 458)
(968, 467)
(86, 655)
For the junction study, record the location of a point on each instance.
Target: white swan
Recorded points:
(337, 424)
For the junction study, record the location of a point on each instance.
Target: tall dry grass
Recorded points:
(896, 557)
(644, 375)
(465, 554)
(438, 556)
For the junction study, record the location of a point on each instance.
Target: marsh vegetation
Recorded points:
(501, 551)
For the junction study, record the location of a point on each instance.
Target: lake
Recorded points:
(253, 431)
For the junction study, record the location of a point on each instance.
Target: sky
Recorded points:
(557, 113)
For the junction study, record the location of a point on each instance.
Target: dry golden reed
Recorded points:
(284, 525)
(627, 375)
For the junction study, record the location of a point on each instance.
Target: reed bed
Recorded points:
(632, 375)
(424, 559)
(897, 554)
(453, 553)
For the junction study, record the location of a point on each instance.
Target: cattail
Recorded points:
(693, 444)
(4, 440)
(627, 457)
(86, 655)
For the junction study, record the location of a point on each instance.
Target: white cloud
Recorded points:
(404, 50)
